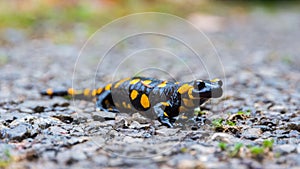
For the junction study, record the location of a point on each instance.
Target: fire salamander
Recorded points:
(165, 99)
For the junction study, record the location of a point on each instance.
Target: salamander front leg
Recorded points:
(163, 117)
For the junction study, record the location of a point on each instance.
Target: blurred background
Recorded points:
(68, 21)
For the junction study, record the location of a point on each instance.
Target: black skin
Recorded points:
(165, 100)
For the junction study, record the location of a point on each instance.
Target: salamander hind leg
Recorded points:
(163, 117)
(105, 102)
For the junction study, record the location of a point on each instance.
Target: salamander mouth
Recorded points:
(211, 93)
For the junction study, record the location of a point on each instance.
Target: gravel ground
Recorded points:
(256, 123)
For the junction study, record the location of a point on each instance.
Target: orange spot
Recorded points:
(128, 106)
(145, 101)
(163, 84)
(108, 87)
(99, 90)
(188, 102)
(124, 104)
(133, 94)
(120, 82)
(94, 92)
(190, 93)
(184, 88)
(166, 114)
(71, 91)
(86, 92)
(165, 103)
(134, 81)
(49, 91)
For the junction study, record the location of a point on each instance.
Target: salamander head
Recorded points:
(207, 88)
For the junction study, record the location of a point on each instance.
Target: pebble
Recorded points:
(252, 133)
(190, 164)
(279, 108)
(294, 125)
(102, 116)
(285, 149)
(20, 132)
(167, 131)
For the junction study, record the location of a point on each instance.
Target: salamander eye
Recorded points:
(199, 84)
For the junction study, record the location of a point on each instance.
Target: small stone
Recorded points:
(285, 148)
(167, 131)
(279, 108)
(298, 148)
(294, 126)
(139, 118)
(222, 137)
(190, 164)
(65, 118)
(252, 133)
(128, 139)
(20, 132)
(102, 116)
(100, 160)
(78, 155)
(26, 110)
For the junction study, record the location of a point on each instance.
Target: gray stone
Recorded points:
(285, 148)
(167, 131)
(102, 116)
(252, 133)
(20, 132)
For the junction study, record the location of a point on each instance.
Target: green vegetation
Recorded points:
(222, 146)
(236, 150)
(258, 152)
(268, 144)
(217, 123)
(5, 158)
(247, 113)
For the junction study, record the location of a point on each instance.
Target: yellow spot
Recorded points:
(182, 109)
(49, 91)
(184, 88)
(184, 117)
(99, 90)
(162, 85)
(128, 106)
(146, 82)
(124, 104)
(166, 114)
(188, 102)
(176, 82)
(190, 93)
(134, 81)
(86, 92)
(145, 101)
(94, 92)
(165, 103)
(117, 104)
(108, 87)
(215, 80)
(120, 82)
(71, 91)
(133, 94)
